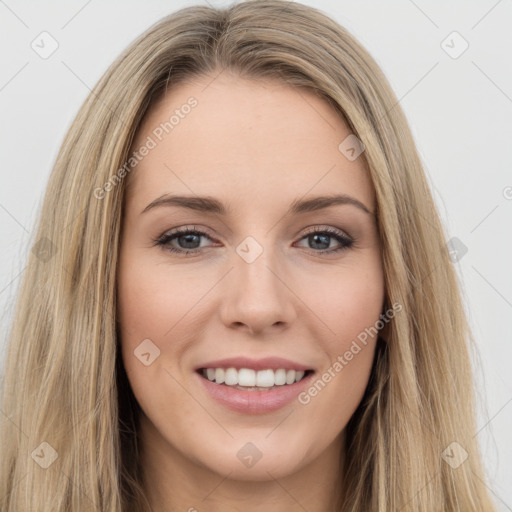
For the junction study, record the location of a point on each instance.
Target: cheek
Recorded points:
(347, 299)
(336, 392)
(145, 313)
(152, 298)
(151, 308)
(351, 306)
(339, 385)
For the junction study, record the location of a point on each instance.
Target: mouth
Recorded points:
(251, 386)
(248, 379)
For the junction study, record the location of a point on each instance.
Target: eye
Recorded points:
(321, 239)
(189, 240)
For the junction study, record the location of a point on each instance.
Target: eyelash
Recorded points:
(166, 238)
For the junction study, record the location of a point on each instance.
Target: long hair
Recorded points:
(69, 425)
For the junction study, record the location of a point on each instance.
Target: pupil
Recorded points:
(322, 241)
(188, 241)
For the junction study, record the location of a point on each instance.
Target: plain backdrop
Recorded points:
(450, 67)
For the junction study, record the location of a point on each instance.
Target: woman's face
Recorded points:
(269, 282)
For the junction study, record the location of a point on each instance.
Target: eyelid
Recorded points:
(184, 230)
(327, 228)
(187, 227)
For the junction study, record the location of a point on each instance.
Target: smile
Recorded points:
(257, 398)
(248, 379)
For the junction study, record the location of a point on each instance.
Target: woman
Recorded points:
(181, 342)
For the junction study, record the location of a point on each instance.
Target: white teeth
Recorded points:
(280, 377)
(250, 378)
(265, 378)
(246, 377)
(219, 375)
(231, 377)
(298, 375)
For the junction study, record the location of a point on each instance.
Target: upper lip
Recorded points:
(272, 363)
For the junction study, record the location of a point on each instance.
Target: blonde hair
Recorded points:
(64, 384)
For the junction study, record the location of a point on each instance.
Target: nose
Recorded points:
(258, 296)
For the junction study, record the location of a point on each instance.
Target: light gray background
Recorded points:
(459, 109)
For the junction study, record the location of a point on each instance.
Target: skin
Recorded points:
(256, 146)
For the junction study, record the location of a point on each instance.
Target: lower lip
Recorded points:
(255, 402)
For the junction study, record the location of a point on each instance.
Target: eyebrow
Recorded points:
(211, 205)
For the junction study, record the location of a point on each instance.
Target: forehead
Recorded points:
(232, 137)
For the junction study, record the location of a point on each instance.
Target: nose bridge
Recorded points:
(256, 294)
(252, 266)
